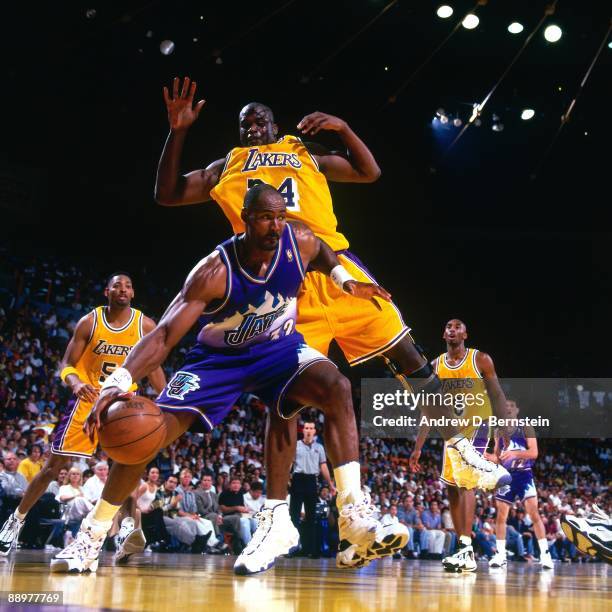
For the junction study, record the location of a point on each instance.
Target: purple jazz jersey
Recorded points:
(522, 486)
(247, 342)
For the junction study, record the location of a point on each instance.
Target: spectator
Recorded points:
(254, 501)
(30, 466)
(188, 509)
(231, 504)
(13, 485)
(151, 513)
(92, 489)
(432, 521)
(77, 506)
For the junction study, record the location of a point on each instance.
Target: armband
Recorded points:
(121, 378)
(66, 372)
(340, 275)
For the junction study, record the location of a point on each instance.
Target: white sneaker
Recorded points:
(462, 561)
(546, 561)
(471, 470)
(129, 541)
(82, 554)
(9, 534)
(363, 538)
(498, 560)
(275, 536)
(590, 535)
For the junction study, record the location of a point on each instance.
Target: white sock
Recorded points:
(465, 540)
(501, 547)
(348, 483)
(272, 503)
(20, 515)
(543, 543)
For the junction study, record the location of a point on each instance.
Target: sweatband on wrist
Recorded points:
(66, 372)
(119, 378)
(340, 275)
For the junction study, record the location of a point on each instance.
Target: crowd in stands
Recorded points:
(203, 492)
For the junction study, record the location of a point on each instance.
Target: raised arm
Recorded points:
(74, 351)
(359, 165)
(157, 378)
(205, 282)
(319, 255)
(487, 369)
(171, 187)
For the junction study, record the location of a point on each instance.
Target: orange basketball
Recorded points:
(131, 432)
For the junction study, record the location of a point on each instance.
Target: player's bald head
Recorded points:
(258, 109)
(263, 197)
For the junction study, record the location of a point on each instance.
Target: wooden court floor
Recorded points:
(186, 583)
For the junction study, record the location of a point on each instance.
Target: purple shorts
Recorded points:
(211, 380)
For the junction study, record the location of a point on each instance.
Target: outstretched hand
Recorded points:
(367, 291)
(181, 112)
(413, 461)
(105, 399)
(313, 123)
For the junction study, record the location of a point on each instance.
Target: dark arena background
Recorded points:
(479, 214)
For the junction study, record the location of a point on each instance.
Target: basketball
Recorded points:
(131, 432)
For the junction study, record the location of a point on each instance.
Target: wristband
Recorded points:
(340, 275)
(119, 378)
(66, 372)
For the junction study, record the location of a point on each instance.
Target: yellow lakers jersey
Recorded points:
(288, 166)
(108, 347)
(464, 378)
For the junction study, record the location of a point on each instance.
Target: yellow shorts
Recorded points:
(69, 438)
(479, 437)
(325, 312)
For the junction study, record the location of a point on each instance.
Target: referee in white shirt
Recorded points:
(310, 461)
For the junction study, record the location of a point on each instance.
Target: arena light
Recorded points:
(444, 12)
(470, 22)
(497, 126)
(457, 122)
(515, 27)
(553, 33)
(610, 45)
(527, 114)
(441, 116)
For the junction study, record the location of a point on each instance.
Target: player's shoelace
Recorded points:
(597, 515)
(7, 534)
(264, 525)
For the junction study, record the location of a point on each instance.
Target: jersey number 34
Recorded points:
(288, 189)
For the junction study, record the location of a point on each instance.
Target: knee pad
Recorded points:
(423, 379)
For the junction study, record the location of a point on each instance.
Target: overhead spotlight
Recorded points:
(610, 45)
(477, 122)
(515, 27)
(553, 33)
(497, 126)
(527, 114)
(457, 122)
(470, 22)
(444, 12)
(166, 47)
(442, 116)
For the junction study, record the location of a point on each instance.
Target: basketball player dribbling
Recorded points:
(244, 295)
(100, 343)
(301, 174)
(461, 369)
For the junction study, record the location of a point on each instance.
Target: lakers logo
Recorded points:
(181, 384)
(256, 159)
(289, 255)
